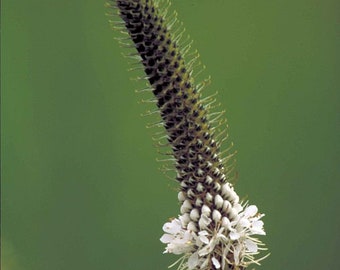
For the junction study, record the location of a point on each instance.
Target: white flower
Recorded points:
(215, 240)
(230, 244)
(177, 239)
(248, 224)
(172, 227)
(204, 221)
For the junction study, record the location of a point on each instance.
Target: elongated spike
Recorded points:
(213, 228)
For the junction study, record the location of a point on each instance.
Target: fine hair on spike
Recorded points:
(214, 230)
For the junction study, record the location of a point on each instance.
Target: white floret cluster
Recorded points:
(217, 237)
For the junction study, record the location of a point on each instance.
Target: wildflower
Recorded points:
(214, 230)
(229, 245)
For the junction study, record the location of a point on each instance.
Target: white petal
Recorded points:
(250, 211)
(167, 227)
(257, 224)
(172, 227)
(166, 238)
(204, 239)
(203, 233)
(234, 235)
(216, 263)
(177, 249)
(244, 222)
(193, 261)
(257, 227)
(250, 245)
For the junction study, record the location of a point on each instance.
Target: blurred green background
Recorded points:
(80, 185)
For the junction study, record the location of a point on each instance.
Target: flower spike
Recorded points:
(214, 230)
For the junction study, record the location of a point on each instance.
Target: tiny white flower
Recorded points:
(204, 222)
(209, 197)
(194, 214)
(206, 210)
(192, 226)
(216, 215)
(186, 207)
(225, 189)
(208, 179)
(218, 201)
(178, 240)
(200, 187)
(198, 202)
(184, 219)
(226, 206)
(226, 223)
(217, 186)
(181, 196)
(172, 227)
(200, 172)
